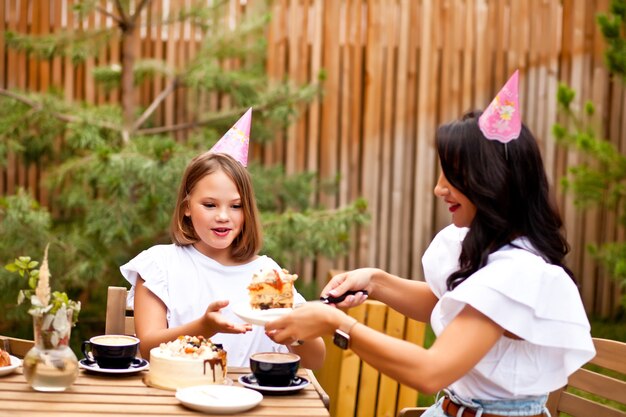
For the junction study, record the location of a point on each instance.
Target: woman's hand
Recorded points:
(312, 320)
(215, 321)
(357, 280)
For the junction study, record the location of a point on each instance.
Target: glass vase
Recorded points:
(51, 365)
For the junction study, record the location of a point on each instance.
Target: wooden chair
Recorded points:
(589, 392)
(120, 320)
(357, 389)
(16, 347)
(607, 388)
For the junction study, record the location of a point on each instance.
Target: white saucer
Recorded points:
(258, 317)
(15, 363)
(93, 367)
(249, 381)
(219, 399)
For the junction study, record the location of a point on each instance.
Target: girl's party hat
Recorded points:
(502, 121)
(235, 142)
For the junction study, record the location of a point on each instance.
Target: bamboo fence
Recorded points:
(395, 69)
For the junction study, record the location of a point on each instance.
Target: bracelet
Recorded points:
(348, 328)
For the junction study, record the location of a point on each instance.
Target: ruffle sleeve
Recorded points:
(150, 266)
(441, 258)
(530, 298)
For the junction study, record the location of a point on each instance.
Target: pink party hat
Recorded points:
(502, 121)
(235, 142)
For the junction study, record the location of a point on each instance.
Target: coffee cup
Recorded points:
(274, 369)
(113, 351)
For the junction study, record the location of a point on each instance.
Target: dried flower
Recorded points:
(43, 286)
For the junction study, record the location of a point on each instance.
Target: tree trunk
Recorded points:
(129, 43)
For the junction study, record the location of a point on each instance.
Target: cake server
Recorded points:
(329, 299)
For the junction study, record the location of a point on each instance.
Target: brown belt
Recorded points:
(451, 409)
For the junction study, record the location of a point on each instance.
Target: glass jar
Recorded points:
(51, 365)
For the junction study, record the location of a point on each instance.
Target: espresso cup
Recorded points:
(113, 351)
(274, 369)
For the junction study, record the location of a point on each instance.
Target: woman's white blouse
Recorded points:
(187, 281)
(525, 295)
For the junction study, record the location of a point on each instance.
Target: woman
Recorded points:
(508, 317)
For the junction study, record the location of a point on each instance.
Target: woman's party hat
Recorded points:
(236, 141)
(502, 121)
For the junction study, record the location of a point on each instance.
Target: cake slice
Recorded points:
(271, 288)
(5, 359)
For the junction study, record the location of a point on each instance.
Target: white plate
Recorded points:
(259, 317)
(93, 367)
(15, 363)
(249, 381)
(221, 399)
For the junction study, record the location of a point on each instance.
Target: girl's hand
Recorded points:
(214, 320)
(304, 323)
(359, 279)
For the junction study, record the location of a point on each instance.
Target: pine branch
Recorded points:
(233, 112)
(141, 5)
(155, 103)
(120, 10)
(358, 207)
(206, 121)
(109, 14)
(35, 105)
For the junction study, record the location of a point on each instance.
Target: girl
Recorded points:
(509, 321)
(187, 288)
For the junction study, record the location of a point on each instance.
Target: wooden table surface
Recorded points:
(94, 395)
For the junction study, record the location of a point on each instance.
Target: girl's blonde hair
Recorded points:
(249, 241)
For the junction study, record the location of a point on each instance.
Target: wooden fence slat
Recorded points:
(294, 153)
(3, 82)
(467, 52)
(403, 247)
(355, 115)
(424, 152)
(386, 181)
(371, 130)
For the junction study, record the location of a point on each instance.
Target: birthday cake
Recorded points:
(187, 361)
(271, 288)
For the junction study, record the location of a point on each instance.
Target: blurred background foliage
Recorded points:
(112, 172)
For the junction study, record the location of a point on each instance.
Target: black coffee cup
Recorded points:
(113, 351)
(274, 369)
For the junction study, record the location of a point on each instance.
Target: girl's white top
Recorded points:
(188, 281)
(525, 295)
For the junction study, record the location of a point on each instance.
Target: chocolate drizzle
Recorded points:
(213, 362)
(220, 360)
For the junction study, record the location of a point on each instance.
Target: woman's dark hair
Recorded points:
(508, 186)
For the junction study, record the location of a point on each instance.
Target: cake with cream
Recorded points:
(187, 361)
(272, 288)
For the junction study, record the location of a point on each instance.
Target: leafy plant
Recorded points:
(38, 292)
(600, 180)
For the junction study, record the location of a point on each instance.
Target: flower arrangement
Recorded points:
(54, 313)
